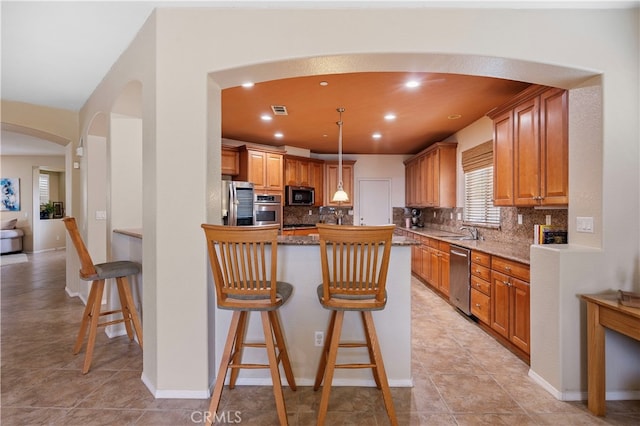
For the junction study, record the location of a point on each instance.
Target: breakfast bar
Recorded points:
(302, 316)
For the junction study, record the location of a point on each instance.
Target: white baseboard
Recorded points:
(174, 394)
(617, 395)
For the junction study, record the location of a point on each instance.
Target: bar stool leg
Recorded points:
(377, 354)
(86, 318)
(224, 366)
(325, 352)
(126, 313)
(238, 348)
(131, 307)
(273, 365)
(282, 348)
(330, 367)
(367, 334)
(93, 327)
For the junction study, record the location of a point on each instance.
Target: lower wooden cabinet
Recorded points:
(510, 309)
(299, 231)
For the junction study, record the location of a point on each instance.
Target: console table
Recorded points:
(603, 310)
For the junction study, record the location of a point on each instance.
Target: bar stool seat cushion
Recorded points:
(283, 292)
(119, 268)
(364, 298)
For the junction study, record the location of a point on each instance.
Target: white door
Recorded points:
(374, 202)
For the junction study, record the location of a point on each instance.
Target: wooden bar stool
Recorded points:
(97, 274)
(245, 281)
(355, 261)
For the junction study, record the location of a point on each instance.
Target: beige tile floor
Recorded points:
(462, 376)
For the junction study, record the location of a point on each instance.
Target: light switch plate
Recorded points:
(101, 215)
(584, 224)
(519, 219)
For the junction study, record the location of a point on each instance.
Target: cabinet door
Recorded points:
(291, 171)
(316, 170)
(256, 165)
(520, 314)
(273, 172)
(554, 148)
(480, 305)
(331, 183)
(426, 263)
(503, 159)
(230, 160)
(526, 151)
(416, 260)
(432, 178)
(444, 273)
(500, 303)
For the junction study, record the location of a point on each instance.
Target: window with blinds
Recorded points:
(43, 185)
(477, 164)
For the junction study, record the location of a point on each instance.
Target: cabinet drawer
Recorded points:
(481, 258)
(443, 246)
(480, 271)
(509, 267)
(480, 304)
(434, 243)
(480, 285)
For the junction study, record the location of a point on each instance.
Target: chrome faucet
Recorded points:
(472, 230)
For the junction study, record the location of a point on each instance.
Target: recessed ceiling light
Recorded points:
(247, 84)
(376, 136)
(390, 116)
(411, 84)
(278, 135)
(324, 83)
(454, 116)
(266, 117)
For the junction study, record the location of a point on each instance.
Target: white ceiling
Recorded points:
(55, 53)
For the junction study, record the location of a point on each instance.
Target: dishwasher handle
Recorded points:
(458, 253)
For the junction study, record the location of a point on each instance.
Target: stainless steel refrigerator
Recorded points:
(237, 203)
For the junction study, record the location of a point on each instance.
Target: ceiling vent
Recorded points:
(279, 110)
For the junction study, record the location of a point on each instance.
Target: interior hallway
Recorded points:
(462, 376)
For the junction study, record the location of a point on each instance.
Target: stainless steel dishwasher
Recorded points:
(460, 278)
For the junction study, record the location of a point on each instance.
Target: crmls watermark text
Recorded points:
(224, 417)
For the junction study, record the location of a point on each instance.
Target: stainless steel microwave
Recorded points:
(299, 196)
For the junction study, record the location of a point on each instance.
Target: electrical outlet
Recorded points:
(434, 214)
(459, 216)
(548, 219)
(310, 212)
(319, 338)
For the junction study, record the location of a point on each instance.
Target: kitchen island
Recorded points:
(302, 316)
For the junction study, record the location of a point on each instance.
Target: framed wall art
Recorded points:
(10, 194)
(58, 209)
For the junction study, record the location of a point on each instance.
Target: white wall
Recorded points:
(560, 48)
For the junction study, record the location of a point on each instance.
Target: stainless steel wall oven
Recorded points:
(268, 209)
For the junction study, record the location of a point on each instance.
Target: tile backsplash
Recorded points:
(509, 231)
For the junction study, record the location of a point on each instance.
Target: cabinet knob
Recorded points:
(507, 283)
(477, 305)
(507, 268)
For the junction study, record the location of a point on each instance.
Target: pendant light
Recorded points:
(340, 196)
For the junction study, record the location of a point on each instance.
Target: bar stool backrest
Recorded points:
(243, 272)
(355, 261)
(87, 269)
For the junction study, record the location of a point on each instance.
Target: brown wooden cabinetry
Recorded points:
(230, 160)
(331, 177)
(481, 286)
(430, 262)
(530, 150)
(510, 312)
(299, 231)
(430, 177)
(263, 168)
(301, 171)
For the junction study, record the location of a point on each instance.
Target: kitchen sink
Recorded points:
(458, 237)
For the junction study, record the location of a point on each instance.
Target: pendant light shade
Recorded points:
(340, 195)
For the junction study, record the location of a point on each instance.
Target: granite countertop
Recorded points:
(309, 240)
(513, 251)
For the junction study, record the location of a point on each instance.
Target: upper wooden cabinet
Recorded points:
(230, 159)
(302, 171)
(331, 178)
(430, 177)
(263, 168)
(530, 149)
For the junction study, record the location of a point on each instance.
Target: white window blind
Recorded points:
(44, 188)
(478, 199)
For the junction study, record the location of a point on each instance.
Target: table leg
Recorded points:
(596, 385)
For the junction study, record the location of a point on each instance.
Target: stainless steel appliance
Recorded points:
(460, 278)
(299, 196)
(237, 203)
(268, 209)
